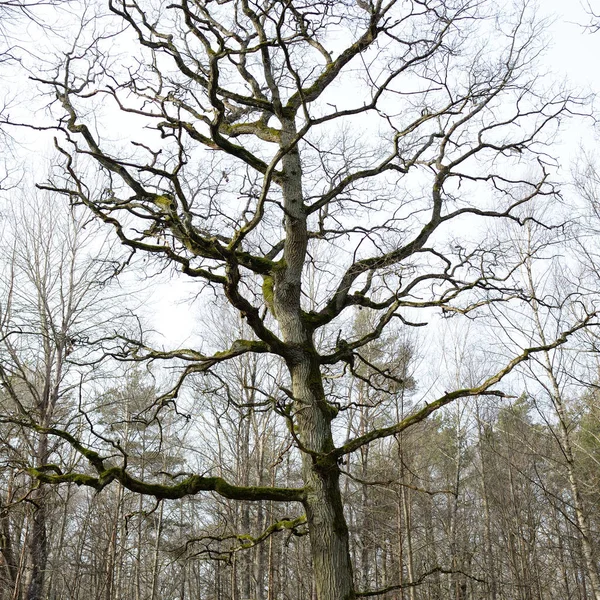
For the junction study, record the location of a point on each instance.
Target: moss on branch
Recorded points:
(190, 486)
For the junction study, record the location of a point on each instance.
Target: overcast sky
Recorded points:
(574, 51)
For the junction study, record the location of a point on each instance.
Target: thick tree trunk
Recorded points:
(312, 414)
(324, 509)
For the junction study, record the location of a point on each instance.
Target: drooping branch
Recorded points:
(420, 581)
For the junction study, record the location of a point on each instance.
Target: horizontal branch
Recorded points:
(191, 485)
(237, 348)
(244, 541)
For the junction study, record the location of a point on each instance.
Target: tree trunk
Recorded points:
(489, 562)
(22, 562)
(365, 552)
(156, 563)
(324, 509)
(580, 513)
(6, 540)
(313, 415)
(567, 449)
(38, 541)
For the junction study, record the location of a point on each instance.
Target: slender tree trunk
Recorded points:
(409, 545)
(22, 562)
(76, 569)
(243, 559)
(58, 546)
(435, 587)
(53, 372)
(156, 562)
(6, 540)
(513, 535)
(121, 547)
(365, 552)
(577, 498)
(233, 578)
(183, 580)
(138, 553)
(400, 544)
(271, 557)
(490, 575)
(112, 549)
(454, 550)
(260, 551)
(271, 570)
(561, 553)
(38, 541)
(567, 449)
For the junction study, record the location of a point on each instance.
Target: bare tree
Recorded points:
(554, 373)
(51, 293)
(274, 133)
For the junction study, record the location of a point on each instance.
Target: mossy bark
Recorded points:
(312, 414)
(38, 539)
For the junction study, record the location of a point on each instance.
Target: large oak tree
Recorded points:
(305, 160)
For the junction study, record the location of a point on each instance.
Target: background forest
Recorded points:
(298, 301)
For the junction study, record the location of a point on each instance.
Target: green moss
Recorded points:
(268, 290)
(268, 287)
(76, 478)
(50, 467)
(240, 346)
(258, 263)
(247, 346)
(190, 486)
(164, 202)
(332, 410)
(80, 479)
(91, 455)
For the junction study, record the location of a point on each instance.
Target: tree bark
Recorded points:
(324, 510)
(581, 516)
(6, 541)
(564, 437)
(38, 541)
(313, 415)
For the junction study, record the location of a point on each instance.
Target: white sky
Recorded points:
(573, 50)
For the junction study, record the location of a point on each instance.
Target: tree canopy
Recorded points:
(303, 162)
